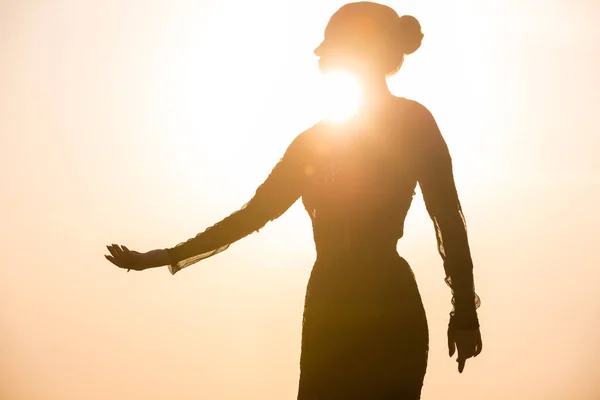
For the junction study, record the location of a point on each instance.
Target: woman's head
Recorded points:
(368, 38)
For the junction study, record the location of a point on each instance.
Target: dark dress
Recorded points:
(364, 332)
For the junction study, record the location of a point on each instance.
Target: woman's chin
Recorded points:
(328, 66)
(325, 67)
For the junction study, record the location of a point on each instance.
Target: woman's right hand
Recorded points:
(127, 259)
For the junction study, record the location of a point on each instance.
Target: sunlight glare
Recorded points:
(341, 96)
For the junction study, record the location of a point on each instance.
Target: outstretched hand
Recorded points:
(466, 342)
(127, 259)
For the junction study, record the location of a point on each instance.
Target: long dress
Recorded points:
(364, 331)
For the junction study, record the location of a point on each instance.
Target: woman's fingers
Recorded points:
(462, 358)
(111, 259)
(118, 257)
(463, 355)
(461, 364)
(479, 346)
(113, 252)
(451, 344)
(115, 260)
(467, 343)
(118, 250)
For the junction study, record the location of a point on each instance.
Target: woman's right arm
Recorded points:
(272, 198)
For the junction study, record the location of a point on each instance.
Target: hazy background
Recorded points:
(118, 119)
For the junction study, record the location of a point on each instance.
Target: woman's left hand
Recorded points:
(127, 259)
(467, 342)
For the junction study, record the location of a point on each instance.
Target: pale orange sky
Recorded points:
(118, 120)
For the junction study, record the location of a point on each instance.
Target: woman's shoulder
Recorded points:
(412, 106)
(318, 132)
(308, 135)
(418, 124)
(305, 141)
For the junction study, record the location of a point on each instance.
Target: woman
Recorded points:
(364, 332)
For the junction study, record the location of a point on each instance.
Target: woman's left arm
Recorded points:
(437, 184)
(436, 180)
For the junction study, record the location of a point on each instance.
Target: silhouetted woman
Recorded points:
(364, 332)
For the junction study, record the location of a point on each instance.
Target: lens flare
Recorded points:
(341, 96)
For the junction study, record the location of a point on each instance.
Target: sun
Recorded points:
(340, 96)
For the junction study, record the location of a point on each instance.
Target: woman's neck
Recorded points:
(374, 91)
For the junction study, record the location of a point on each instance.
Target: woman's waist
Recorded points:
(358, 253)
(355, 244)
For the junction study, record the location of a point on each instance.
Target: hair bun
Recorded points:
(410, 35)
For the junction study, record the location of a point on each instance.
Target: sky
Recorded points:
(143, 122)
